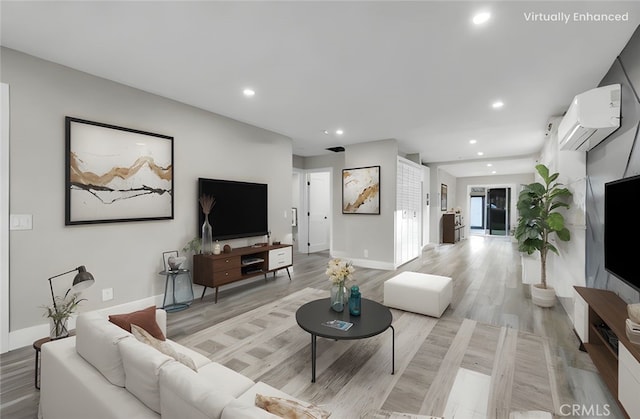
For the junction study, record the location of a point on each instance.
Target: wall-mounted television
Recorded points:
(621, 230)
(240, 209)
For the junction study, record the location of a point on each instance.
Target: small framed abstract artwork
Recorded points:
(116, 174)
(361, 190)
(443, 197)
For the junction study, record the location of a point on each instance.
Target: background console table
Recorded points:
(213, 271)
(617, 359)
(452, 228)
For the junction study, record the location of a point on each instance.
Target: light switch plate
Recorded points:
(21, 222)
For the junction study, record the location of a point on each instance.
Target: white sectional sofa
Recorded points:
(104, 372)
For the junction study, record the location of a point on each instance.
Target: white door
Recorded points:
(319, 210)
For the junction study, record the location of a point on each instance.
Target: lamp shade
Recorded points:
(82, 280)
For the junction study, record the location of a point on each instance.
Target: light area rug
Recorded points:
(452, 368)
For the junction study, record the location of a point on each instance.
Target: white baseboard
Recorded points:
(25, 337)
(366, 263)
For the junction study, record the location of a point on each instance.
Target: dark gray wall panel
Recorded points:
(616, 157)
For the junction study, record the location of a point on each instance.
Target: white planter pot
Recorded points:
(543, 297)
(530, 268)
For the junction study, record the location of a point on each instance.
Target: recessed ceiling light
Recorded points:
(473, 141)
(325, 132)
(493, 172)
(339, 132)
(248, 92)
(497, 105)
(489, 165)
(480, 153)
(481, 18)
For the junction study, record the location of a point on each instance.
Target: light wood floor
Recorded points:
(487, 289)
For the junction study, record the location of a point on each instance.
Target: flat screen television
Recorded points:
(621, 230)
(240, 209)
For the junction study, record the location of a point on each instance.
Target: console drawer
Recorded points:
(280, 258)
(223, 264)
(226, 276)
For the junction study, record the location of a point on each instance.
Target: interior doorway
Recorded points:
(477, 210)
(319, 196)
(314, 209)
(498, 211)
(476, 213)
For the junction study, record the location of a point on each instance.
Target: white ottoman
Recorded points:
(418, 293)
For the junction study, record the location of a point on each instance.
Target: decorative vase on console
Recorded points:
(207, 202)
(339, 271)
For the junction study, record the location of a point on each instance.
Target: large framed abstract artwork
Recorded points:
(361, 190)
(116, 174)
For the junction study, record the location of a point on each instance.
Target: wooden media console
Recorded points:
(213, 271)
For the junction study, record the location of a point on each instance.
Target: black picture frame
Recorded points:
(116, 174)
(443, 197)
(361, 190)
(165, 259)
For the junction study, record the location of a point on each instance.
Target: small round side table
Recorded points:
(37, 345)
(186, 298)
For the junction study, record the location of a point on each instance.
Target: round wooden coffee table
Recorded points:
(373, 320)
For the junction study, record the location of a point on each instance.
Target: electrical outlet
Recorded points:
(366, 253)
(107, 294)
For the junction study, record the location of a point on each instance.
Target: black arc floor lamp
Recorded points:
(82, 281)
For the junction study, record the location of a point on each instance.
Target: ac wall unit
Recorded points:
(592, 117)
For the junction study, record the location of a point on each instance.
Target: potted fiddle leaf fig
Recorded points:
(539, 219)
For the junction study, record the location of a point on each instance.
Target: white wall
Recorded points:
(568, 267)
(352, 234)
(4, 218)
(355, 233)
(122, 256)
(435, 216)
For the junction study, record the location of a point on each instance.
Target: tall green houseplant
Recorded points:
(539, 219)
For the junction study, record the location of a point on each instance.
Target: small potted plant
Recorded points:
(538, 220)
(193, 246)
(59, 314)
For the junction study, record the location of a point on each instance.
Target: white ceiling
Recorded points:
(417, 71)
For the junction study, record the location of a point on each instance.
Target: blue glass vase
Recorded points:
(337, 297)
(355, 301)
